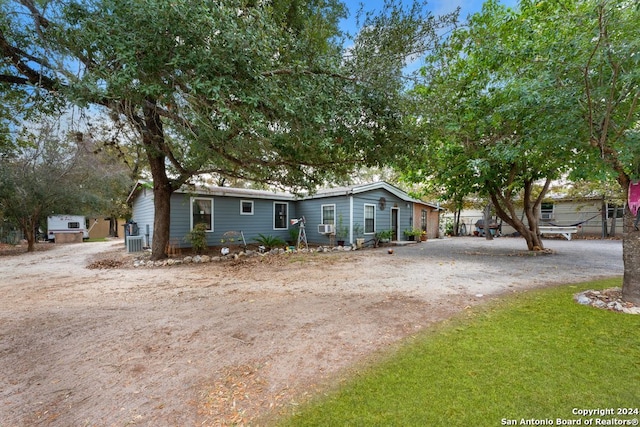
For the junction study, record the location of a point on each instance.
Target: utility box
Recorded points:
(134, 243)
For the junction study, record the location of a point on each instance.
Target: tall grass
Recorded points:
(537, 355)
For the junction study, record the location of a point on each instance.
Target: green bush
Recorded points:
(270, 242)
(198, 238)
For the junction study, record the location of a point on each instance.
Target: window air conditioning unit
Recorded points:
(326, 229)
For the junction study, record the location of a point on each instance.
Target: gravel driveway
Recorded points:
(231, 342)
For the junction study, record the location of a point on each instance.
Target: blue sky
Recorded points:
(437, 7)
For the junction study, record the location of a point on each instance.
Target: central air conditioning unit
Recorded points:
(134, 243)
(326, 229)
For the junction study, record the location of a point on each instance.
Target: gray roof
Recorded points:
(276, 195)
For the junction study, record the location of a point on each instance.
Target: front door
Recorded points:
(394, 223)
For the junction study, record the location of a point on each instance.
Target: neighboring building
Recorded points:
(586, 213)
(100, 227)
(345, 213)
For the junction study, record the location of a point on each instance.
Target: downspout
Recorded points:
(351, 219)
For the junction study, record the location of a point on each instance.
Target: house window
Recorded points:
(369, 219)
(202, 212)
(614, 210)
(423, 220)
(328, 214)
(246, 207)
(546, 211)
(280, 215)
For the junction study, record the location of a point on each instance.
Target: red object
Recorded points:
(634, 197)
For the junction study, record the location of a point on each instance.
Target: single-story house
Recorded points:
(344, 213)
(586, 213)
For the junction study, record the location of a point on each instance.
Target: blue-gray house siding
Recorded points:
(142, 213)
(254, 213)
(350, 214)
(228, 218)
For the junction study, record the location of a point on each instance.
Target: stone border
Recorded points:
(204, 259)
(608, 299)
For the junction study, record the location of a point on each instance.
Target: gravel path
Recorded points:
(230, 342)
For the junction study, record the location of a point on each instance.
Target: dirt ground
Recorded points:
(236, 341)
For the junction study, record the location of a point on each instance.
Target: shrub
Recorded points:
(198, 238)
(270, 242)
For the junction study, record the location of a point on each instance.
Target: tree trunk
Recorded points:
(612, 230)
(631, 259)
(603, 218)
(162, 219)
(154, 144)
(29, 231)
(487, 222)
(505, 210)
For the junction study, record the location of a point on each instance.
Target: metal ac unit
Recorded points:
(134, 243)
(326, 229)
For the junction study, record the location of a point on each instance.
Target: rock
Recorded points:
(631, 310)
(187, 260)
(599, 304)
(205, 258)
(583, 299)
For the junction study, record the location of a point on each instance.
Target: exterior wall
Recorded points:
(101, 228)
(227, 218)
(142, 213)
(351, 209)
(433, 220)
(312, 211)
(565, 212)
(588, 212)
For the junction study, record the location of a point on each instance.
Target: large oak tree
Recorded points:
(530, 95)
(255, 90)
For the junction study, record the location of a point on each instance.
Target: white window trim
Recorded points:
(322, 213)
(364, 218)
(252, 207)
(273, 217)
(191, 212)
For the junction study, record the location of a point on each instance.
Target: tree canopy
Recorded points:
(505, 102)
(260, 91)
(50, 171)
(522, 97)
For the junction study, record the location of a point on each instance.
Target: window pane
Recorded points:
(280, 220)
(369, 219)
(202, 212)
(247, 207)
(328, 215)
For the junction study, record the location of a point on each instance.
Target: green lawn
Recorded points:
(537, 355)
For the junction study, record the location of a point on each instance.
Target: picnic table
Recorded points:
(567, 231)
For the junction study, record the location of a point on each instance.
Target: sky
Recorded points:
(437, 7)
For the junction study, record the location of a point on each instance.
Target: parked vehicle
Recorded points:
(66, 224)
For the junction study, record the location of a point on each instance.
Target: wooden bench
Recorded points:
(566, 231)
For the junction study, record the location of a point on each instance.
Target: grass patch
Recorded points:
(96, 239)
(534, 355)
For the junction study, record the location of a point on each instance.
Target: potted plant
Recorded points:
(412, 234)
(341, 232)
(423, 236)
(358, 233)
(383, 236)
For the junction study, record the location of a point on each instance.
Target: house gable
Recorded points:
(376, 207)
